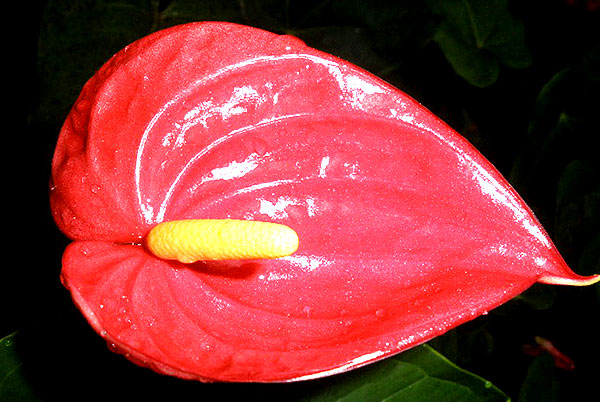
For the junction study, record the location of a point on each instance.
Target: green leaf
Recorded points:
(14, 383)
(479, 68)
(420, 374)
(477, 35)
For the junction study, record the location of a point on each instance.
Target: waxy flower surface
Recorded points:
(404, 230)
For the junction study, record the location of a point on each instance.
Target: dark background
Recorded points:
(537, 124)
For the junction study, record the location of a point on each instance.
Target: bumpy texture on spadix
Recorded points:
(192, 240)
(405, 229)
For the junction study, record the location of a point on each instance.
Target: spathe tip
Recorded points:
(571, 280)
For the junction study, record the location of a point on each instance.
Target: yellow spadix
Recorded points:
(192, 240)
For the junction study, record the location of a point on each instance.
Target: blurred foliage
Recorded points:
(519, 79)
(540, 383)
(475, 35)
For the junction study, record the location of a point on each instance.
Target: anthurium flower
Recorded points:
(396, 229)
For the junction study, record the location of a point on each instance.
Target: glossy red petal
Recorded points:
(191, 322)
(405, 229)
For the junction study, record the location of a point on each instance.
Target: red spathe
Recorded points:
(405, 229)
